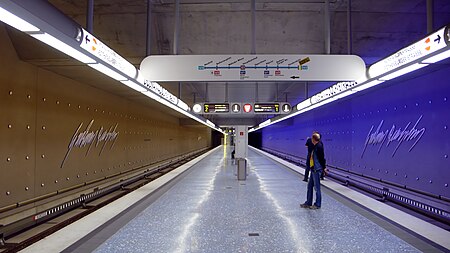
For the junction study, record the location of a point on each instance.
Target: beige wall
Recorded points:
(40, 112)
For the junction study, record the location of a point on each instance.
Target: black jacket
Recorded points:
(310, 147)
(320, 153)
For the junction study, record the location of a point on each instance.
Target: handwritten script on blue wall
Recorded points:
(394, 134)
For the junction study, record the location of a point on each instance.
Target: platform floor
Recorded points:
(208, 210)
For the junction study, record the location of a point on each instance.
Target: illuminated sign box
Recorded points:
(428, 45)
(216, 108)
(94, 46)
(242, 108)
(269, 108)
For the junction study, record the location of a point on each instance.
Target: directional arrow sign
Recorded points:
(423, 47)
(95, 47)
(270, 68)
(438, 39)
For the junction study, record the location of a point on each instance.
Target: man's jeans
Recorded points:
(314, 182)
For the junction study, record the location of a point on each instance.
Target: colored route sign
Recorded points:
(270, 68)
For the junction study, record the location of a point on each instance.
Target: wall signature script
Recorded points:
(394, 135)
(89, 137)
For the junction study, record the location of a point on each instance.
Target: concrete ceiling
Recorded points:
(224, 27)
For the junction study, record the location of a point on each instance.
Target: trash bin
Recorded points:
(242, 168)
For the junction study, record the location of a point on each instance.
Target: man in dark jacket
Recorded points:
(310, 146)
(317, 164)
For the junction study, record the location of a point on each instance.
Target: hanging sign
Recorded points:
(216, 108)
(210, 68)
(425, 46)
(272, 108)
(97, 48)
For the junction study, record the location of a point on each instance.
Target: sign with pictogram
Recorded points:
(286, 108)
(97, 48)
(425, 46)
(236, 108)
(247, 108)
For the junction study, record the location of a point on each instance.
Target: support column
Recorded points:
(257, 92)
(176, 27)
(327, 26)
(253, 27)
(176, 32)
(306, 90)
(278, 87)
(349, 28)
(148, 43)
(90, 16)
(226, 92)
(206, 93)
(430, 10)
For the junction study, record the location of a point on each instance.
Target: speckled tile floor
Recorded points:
(209, 210)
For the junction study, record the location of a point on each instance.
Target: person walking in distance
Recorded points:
(317, 164)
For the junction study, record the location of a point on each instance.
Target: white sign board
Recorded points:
(428, 45)
(210, 68)
(106, 54)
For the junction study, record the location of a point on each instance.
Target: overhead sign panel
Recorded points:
(216, 108)
(210, 68)
(267, 108)
(94, 46)
(426, 46)
(242, 108)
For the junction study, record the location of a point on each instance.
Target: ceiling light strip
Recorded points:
(431, 49)
(62, 47)
(115, 66)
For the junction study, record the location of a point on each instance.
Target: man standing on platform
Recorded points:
(310, 146)
(317, 164)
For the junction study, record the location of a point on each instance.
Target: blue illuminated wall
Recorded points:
(411, 146)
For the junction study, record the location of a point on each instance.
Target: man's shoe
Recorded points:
(314, 207)
(305, 206)
(306, 180)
